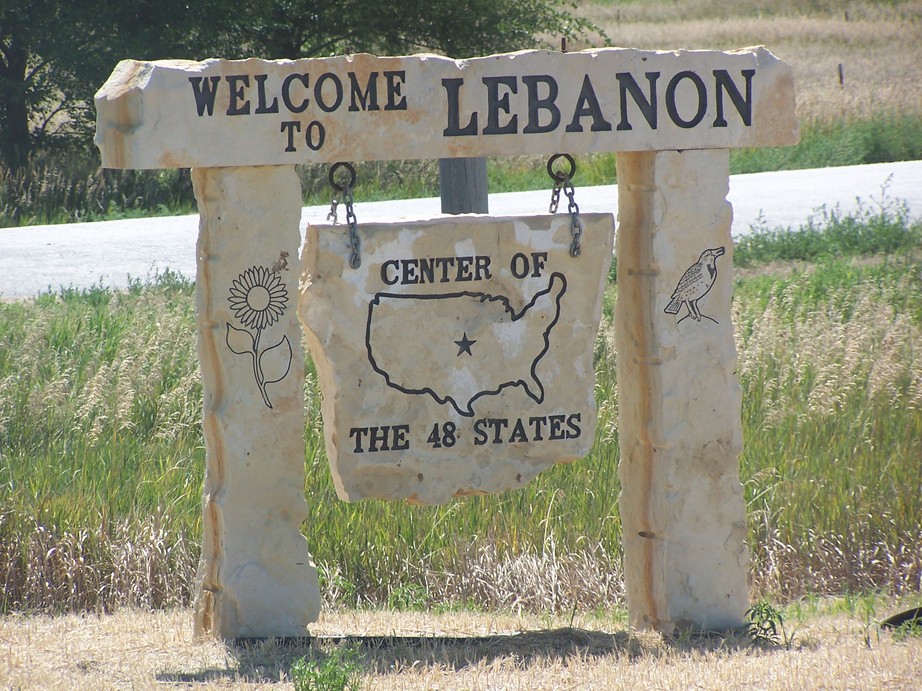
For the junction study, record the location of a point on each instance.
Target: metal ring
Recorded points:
(559, 176)
(334, 168)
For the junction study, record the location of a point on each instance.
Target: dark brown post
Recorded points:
(463, 185)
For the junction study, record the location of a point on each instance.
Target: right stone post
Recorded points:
(681, 504)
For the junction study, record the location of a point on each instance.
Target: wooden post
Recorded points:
(463, 185)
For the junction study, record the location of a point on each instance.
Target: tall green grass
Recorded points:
(877, 227)
(841, 143)
(831, 370)
(101, 457)
(67, 186)
(844, 142)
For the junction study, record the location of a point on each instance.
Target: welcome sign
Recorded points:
(457, 358)
(427, 106)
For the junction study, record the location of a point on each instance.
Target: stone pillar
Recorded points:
(255, 577)
(681, 502)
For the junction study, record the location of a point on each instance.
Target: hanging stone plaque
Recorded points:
(457, 358)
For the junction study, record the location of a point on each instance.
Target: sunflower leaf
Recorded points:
(238, 340)
(275, 361)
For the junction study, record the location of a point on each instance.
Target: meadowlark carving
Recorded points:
(695, 283)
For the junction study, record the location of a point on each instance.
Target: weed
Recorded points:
(408, 597)
(881, 226)
(839, 143)
(908, 630)
(765, 624)
(338, 670)
(339, 590)
(869, 623)
(70, 187)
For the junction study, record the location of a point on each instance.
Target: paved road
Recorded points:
(36, 258)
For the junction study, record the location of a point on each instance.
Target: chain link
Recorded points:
(555, 196)
(342, 194)
(563, 181)
(355, 249)
(576, 223)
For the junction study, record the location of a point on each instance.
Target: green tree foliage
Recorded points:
(54, 55)
(306, 28)
(32, 33)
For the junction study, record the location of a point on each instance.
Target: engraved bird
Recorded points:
(695, 283)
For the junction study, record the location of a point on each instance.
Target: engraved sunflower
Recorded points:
(258, 298)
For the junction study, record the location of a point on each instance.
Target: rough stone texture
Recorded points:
(170, 114)
(470, 379)
(255, 577)
(679, 402)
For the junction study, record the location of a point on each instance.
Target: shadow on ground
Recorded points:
(267, 660)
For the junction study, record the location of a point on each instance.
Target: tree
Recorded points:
(24, 43)
(308, 28)
(54, 55)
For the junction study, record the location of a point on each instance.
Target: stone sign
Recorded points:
(457, 358)
(451, 346)
(166, 114)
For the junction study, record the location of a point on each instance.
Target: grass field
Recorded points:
(101, 454)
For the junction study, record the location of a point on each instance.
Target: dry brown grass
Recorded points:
(130, 564)
(878, 46)
(144, 650)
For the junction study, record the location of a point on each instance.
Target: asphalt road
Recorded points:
(38, 258)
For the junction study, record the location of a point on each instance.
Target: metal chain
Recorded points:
(562, 181)
(576, 223)
(555, 196)
(344, 193)
(355, 249)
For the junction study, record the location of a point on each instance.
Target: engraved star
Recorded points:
(464, 345)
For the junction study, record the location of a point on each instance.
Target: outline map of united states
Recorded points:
(460, 347)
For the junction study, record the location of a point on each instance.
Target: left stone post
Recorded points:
(255, 578)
